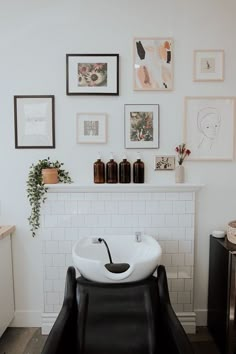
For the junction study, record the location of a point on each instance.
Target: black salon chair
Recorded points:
(127, 318)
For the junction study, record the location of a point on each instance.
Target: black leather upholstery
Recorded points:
(127, 318)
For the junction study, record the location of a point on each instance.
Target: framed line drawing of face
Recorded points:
(209, 127)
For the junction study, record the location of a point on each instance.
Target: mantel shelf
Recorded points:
(122, 188)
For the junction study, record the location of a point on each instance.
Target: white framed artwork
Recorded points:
(209, 126)
(91, 128)
(208, 65)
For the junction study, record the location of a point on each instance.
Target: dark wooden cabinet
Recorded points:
(221, 319)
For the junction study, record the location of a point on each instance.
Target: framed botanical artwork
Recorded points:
(164, 163)
(91, 128)
(209, 127)
(34, 122)
(208, 65)
(141, 126)
(153, 64)
(92, 74)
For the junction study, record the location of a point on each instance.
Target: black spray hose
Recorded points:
(108, 251)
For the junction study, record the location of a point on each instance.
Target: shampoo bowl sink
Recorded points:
(90, 257)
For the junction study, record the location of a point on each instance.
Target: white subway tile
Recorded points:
(117, 220)
(130, 221)
(52, 298)
(84, 207)
(188, 284)
(177, 285)
(47, 259)
(186, 196)
(57, 308)
(163, 246)
(166, 207)
(46, 234)
(52, 196)
(158, 221)
(48, 308)
(47, 285)
(51, 273)
(172, 272)
(65, 247)
(104, 196)
(62, 272)
(118, 196)
(178, 207)
(111, 207)
(58, 207)
(173, 297)
(189, 233)
(178, 234)
(77, 196)
(104, 221)
(164, 233)
(178, 308)
(185, 272)
(172, 196)
(58, 285)
(166, 259)
(178, 260)
(131, 196)
(71, 234)
(71, 207)
(171, 246)
(185, 246)
(139, 207)
(64, 220)
(77, 221)
(58, 260)
(172, 220)
(51, 247)
(184, 297)
(125, 207)
(158, 196)
(153, 207)
(84, 231)
(91, 220)
(91, 196)
(98, 207)
(58, 234)
(189, 259)
(188, 307)
(64, 196)
(50, 221)
(46, 208)
(190, 207)
(144, 220)
(61, 297)
(69, 260)
(185, 220)
(144, 196)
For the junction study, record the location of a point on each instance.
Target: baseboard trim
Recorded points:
(26, 319)
(187, 319)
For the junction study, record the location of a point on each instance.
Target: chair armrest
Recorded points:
(176, 335)
(61, 336)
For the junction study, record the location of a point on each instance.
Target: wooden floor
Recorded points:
(30, 341)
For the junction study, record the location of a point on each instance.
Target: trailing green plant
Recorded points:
(36, 189)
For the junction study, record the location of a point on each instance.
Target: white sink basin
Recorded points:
(142, 257)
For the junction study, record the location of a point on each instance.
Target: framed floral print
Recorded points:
(92, 74)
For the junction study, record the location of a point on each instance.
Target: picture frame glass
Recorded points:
(153, 64)
(209, 127)
(208, 65)
(93, 74)
(141, 126)
(91, 128)
(34, 122)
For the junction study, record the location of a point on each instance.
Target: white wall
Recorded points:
(34, 39)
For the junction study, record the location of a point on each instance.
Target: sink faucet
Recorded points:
(138, 236)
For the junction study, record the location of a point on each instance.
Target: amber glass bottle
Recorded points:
(138, 170)
(99, 171)
(124, 171)
(111, 171)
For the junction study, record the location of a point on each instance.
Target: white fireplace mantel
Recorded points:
(122, 188)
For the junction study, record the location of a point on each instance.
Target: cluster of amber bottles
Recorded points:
(114, 173)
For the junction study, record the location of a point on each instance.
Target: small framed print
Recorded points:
(141, 126)
(92, 74)
(34, 122)
(164, 163)
(208, 65)
(91, 128)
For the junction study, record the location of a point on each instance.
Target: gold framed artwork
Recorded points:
(153, 64)
(208, 65)
(209, 127)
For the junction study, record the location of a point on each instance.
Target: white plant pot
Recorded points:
(179, 174)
